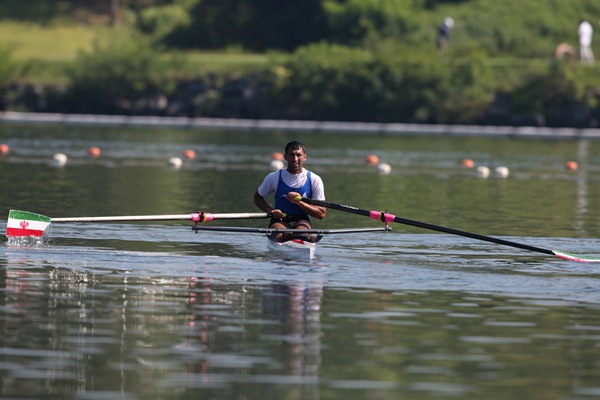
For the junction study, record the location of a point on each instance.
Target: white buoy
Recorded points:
(482, 172)
(501, 172)
(59, 160)
(384, 168)
(175, 162)
(276, 165)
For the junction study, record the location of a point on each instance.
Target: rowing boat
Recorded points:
(295, 243)
(27, 225)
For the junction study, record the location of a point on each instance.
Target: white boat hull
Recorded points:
(295, 248)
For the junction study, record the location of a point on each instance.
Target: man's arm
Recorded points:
(262, 204)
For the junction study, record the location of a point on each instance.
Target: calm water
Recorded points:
(154, 311)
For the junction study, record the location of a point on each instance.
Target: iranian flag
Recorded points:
(24, 223)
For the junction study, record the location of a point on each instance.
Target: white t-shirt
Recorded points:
(269, 185)
(585, 33)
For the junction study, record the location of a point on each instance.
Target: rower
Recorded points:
(289, 186)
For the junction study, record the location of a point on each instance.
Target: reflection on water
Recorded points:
(67, 331)
(155, 311)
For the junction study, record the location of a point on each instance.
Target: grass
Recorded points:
(49, 49)
(54, 43)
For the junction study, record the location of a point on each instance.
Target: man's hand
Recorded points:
(294, 197)
(277, 214)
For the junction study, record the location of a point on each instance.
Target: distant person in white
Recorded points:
(443, 36)
(585, 33)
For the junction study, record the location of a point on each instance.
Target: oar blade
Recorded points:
(574, 257)
(26, 224)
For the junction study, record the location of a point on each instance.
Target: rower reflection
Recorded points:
(228, 325)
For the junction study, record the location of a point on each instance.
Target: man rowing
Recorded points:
(289, 185)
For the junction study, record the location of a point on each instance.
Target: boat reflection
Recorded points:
(284, 317)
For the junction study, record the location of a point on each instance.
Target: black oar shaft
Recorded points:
(471, 235)
(385, 217)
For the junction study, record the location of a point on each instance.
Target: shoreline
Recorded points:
(296, 125)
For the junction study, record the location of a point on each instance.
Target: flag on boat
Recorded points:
(24, 223)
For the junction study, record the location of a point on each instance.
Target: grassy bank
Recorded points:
(386, 80)
(48, 50)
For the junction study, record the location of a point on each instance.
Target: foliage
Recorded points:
(354, 22)
(9, 69)
(255, 25)
(560, 88)
(322, 80)
(117, 75)
(521, 29)
(354, 60)
(159, 20)
(325, 82)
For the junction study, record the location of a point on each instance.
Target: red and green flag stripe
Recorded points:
(24, 223)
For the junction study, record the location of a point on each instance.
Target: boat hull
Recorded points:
(294, 248)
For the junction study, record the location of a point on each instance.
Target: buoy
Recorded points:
(501, 172)
(175, 162)
(372, 159)
(4, 149)
(189, 154)
(467, 163)
(482, 172)
(59, 160)
(277, 156)
(571, 165)
(276, 165)
(384, 168)
(94, 151)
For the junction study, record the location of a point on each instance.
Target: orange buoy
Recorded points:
(372, 159)
(94, 151)
(571, 165)
(467, 163)
(4, 149)
(189, 154)
(277, 156)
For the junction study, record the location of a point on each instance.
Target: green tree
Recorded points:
(117, 76)
(356, 22)
(255, 25)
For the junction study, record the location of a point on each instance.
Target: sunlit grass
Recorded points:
(48, 43)
(49, 50)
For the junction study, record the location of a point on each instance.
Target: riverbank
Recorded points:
(10, 117)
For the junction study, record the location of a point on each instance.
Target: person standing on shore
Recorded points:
(443, 36)
(289, 185)
(585, 33)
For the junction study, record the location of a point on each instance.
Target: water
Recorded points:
(152, 310)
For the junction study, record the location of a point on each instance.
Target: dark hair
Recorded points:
(294, 145)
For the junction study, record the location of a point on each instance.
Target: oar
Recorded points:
(25, 223)
(270, 231)
(386, 217)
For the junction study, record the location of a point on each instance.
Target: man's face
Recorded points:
(295, 159)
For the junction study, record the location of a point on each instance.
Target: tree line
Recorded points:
(347, 60)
